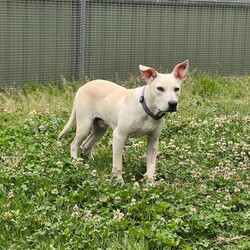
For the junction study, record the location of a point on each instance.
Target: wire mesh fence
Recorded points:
(45, 40)
(39, 40)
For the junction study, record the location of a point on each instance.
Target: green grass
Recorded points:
(200, 199)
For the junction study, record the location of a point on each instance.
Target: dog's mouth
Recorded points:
(169, 110)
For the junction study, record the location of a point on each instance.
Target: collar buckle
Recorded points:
(141, 99)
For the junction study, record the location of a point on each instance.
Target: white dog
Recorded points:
(130, 112)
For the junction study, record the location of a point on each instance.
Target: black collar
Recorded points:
(146, 109)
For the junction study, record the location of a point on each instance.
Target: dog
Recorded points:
(129, 112)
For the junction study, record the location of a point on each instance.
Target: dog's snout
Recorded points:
(172, 105)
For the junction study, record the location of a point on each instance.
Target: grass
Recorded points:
(200, 199)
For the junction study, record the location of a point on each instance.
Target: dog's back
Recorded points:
(99, 89)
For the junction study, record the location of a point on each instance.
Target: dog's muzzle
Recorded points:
(172, 106)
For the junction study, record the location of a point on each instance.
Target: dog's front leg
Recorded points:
(152, 150)
(118, 144)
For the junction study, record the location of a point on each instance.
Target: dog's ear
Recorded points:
(180, 70)
(148, 74)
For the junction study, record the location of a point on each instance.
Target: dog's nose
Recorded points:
(172, 105)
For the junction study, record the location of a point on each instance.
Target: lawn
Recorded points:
(200, 199)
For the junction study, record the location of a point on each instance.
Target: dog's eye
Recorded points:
(161, 89)
(176, 89)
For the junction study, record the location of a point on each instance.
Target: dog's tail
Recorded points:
(69, 124)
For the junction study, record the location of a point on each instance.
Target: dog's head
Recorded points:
(164, 89)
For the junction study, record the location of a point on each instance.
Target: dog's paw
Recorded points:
(78, 161)
(117, 178)
(149, 178)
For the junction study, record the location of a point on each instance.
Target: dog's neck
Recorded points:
(157, 116)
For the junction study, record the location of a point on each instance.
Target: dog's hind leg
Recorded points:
(82, 130)
(99, 128)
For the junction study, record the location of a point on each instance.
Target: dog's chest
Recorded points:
(144, 128)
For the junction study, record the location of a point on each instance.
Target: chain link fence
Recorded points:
(46, 40)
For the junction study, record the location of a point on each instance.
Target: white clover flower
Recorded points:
(228, 197)
(59, 144)
(94, 173)
(136, 184)
(162, 219)
(103, 199)
(193, 209)
(11, 195)
(97, 218)
(118, 198)
(74, 214)
(55, 191)
(88, 214)
(133, 201)
(117, 215)
(75, 208)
